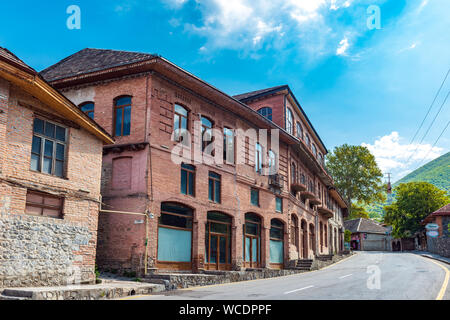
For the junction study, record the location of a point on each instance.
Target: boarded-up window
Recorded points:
(121, 173)
(43, 204)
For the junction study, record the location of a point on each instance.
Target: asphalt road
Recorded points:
(367, 275)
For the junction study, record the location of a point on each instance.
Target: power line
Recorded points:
(429, 127)
(431, 106)
(434, 144)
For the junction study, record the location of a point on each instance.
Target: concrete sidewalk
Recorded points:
(103, 291)
(433, 256)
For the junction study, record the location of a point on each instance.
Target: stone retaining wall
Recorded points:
(39, 251)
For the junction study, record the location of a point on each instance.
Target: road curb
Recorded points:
(441, 293)
(434, 258)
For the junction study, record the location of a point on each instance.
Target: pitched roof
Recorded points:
(91, 60)
(364, 225)
(252, 94)
(10, 57)
(244, 97)
(19, 73)
(444, 211)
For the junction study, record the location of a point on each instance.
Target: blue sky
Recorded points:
(358, 86)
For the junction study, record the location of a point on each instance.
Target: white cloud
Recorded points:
(250, 25)
(343, 46)
(399, 158)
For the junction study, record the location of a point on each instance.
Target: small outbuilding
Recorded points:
(368, 235)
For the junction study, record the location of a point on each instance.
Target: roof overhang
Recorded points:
(31, 82)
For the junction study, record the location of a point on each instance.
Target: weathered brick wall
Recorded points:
(37, 250)
(156, 179)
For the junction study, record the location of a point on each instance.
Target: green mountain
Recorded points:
(436, 172)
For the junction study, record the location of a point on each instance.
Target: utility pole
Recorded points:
(389, 187)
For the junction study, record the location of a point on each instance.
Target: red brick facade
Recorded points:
(139, 175)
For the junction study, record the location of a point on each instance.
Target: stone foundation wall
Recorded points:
(440, 246)
(38, 251)
(178, 281)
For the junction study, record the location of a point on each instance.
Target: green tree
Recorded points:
(356, 174)
(347, 236)
(357, 212)
(414, 201)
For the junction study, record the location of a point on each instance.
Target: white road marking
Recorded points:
(298, 289)
(348, 275)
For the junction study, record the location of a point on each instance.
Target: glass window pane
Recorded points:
(35, 162)
(206, 122)
(176, 121)
(218, 216)
(48, 148)
(251, 228)
(36, 146)
(184, 123)
(60, 133)
(181, 110)
(278, 204)
(219, 228)
(213, 249)
(50, 129)
(91, 115)
(222, 250)
(38, 126)
(59, 168)
(87, 107)
(60, 152)
(123, 101)
(176, 208)
(211, 190)
(191, 183)
(183, 182)
(175, 221)
(118, 122)
(127, 121)
(47, 166)
(217, 191)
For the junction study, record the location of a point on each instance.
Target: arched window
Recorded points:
(252, 240)
(122, 116)
(276, 241)
(180, 121)
(299, 131)
(293, 173)
(294, 230)
(175, 235)
(314, 150)
(218, 241)
(289, 123)
(88, 109)
(206, 132)
(266, 112)
(308, 142)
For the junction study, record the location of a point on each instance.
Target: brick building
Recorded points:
(440, 244)
(50, 172)
(200, 215)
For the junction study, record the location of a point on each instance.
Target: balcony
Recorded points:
(276, 181)
(315, 201)
(324, 211)
(298, 186)
(306, 194)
